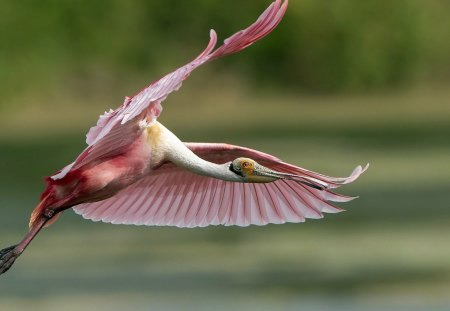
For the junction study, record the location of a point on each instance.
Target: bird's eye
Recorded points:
(245, 164)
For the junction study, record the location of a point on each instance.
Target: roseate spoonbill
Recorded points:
(135, 171)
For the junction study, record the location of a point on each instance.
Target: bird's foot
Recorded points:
(7, 257)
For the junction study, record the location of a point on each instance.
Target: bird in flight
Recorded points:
(136, 171)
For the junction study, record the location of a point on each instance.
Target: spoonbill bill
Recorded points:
(136, 171)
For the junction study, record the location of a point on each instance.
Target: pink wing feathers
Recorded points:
(114, 132)
(172, 196)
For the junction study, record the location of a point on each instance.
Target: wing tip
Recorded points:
(358, 171)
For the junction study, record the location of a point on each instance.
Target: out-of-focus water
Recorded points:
(389, 251)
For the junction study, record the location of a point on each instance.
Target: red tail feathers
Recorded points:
(39, 211)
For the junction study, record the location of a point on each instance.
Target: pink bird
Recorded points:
(136, 171)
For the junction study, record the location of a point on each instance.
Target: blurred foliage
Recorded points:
(321, 46)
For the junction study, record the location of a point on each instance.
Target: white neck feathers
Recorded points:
(175, 151)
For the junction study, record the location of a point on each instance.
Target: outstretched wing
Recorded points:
(175, 197)
(117, 129)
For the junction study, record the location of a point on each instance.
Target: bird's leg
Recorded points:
(9, 255)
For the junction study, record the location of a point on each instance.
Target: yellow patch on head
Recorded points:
(244, 165)
(247, 166)
(251, 171)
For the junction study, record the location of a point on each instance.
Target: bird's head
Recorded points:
(249, 170)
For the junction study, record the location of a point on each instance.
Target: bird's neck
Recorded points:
(175, 151)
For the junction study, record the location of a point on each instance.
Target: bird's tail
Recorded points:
(39, 211)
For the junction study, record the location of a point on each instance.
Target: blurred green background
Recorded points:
(338, 83)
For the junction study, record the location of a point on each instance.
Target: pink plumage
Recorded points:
(177, 197)
(135, 171)
(147, 103)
